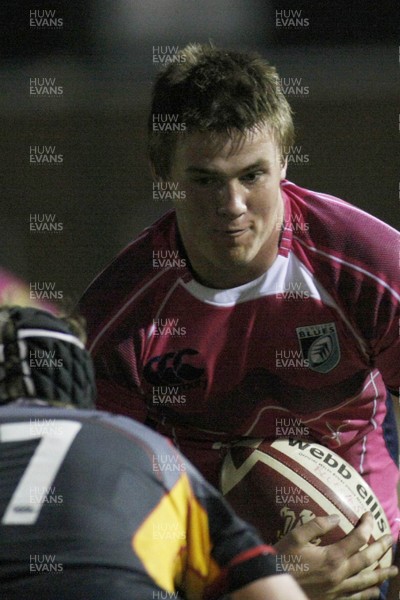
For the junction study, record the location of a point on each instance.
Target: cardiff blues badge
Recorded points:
(319, 344)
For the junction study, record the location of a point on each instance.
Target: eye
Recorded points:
(205, 181)
(252, 176)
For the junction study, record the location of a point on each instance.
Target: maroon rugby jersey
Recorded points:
(309, 349)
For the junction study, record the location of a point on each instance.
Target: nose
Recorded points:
(232, 200)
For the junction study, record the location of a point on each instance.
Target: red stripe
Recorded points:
(251, 553)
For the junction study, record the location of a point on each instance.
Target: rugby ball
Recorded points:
(282, 484)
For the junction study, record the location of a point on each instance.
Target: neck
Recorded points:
(219, 280)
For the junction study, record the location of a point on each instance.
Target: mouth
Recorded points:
(232, 233)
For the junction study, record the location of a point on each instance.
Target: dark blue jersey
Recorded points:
(98, 506)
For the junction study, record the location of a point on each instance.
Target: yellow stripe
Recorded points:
(174, 544)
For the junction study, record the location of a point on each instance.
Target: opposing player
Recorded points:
(14, 290)
(97, 506)
(255, 307)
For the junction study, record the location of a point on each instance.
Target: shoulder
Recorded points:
(151, 454)
(131, 271)
(332, 216)
(139, 434)
(135, 259)
(44, 421)
(338, 234)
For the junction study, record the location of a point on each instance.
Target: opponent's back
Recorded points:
(75, 488)
(98, 506)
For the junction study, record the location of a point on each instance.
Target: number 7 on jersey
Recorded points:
(42, 467)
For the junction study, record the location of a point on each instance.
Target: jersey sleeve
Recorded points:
(377, 316)
(114, 323)
(355, 257)
(192, 542)
(386, 350)
(237, 555)
(116, 364)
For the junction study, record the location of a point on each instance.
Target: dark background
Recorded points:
(102, 56)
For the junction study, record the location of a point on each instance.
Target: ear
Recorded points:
(153, 171)
(155, 176)
(284, 163)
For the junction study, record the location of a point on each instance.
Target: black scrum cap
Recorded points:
(42, 358)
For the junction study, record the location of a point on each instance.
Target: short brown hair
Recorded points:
(217, 91)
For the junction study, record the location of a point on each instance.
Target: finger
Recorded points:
(366, 580)
(364, 595)
(365, 558)
(314, 529)
(358, 537)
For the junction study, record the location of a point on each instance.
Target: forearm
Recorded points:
(276, 587)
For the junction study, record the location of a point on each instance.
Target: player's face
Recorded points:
(230, 217)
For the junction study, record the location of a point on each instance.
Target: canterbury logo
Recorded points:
(172, 368)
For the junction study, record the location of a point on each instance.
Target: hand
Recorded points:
(336, 572)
